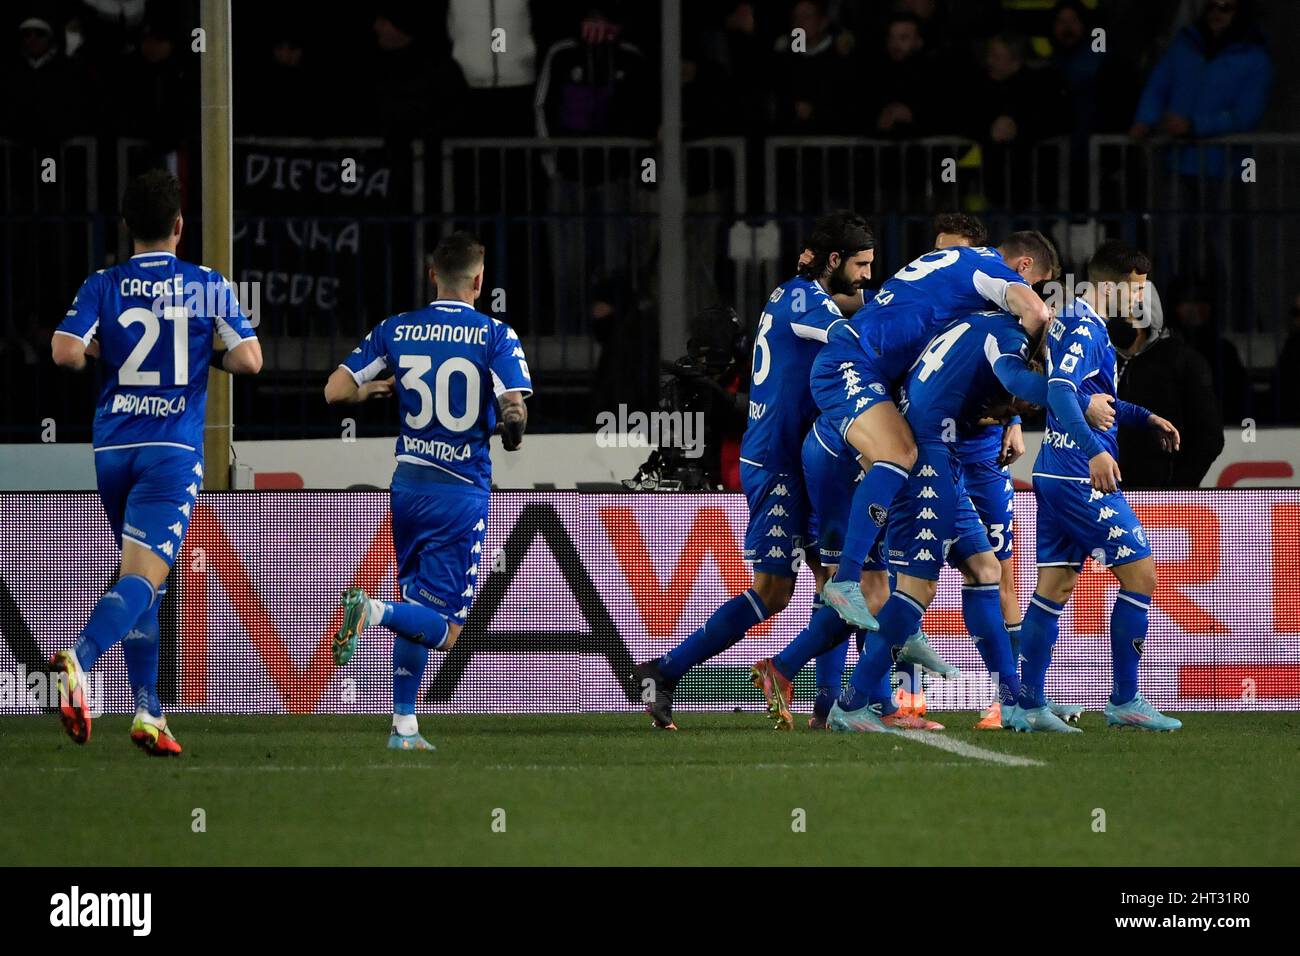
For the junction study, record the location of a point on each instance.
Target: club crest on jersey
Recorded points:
(1138, 645)
(879, 514)
(1140, 534)
(877, 388)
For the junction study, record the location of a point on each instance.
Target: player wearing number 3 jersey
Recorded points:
(451, 368)
(150, 321)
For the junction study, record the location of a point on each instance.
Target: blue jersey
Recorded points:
(957, 375)
(154, 316)
(781, 409)
(925, 296)
(1079, 354)
(450, 363)
(982, 443)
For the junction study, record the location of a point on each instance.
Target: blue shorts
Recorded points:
(932, 520)
(777, 540)
(844, 381)
(831, 471)
(992, 493)
(438, 536)
(148, 494)
(1076, 522)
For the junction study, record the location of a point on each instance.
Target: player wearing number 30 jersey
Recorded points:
(451, 367)
(150, 321)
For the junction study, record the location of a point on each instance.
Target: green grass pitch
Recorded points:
(606, 789)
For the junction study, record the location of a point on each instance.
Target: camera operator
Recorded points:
(705, 392)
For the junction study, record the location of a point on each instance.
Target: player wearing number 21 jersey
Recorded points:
(150, 321)
(451, 366)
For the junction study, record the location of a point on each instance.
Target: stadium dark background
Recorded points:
(540, 150)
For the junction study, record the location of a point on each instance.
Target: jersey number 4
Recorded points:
(931, 360)
(437, 402)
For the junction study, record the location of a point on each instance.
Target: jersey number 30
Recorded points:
(438, 401)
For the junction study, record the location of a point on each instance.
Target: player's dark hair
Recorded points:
(151, 204)
(962, 224)
(1115, 260)
(457, 257)
(1032, 243)
(842, 231)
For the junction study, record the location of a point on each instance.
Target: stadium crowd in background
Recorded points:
(1029, 69)
(1005, 74)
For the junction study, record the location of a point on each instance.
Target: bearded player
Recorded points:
(790, 332)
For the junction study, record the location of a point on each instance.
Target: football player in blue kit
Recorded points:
(974, 359)
(1082, 513)
(150, 321)
(790, 332)
(459, 376)
(831, 467)
(854, 377)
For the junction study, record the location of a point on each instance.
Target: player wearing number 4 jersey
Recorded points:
(974, 359)
(150, 321)
(854, 376)
(452, 367)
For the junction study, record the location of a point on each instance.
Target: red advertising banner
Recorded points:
(581, 585)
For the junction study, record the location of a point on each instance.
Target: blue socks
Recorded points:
(871, 500)
(899, 619)
(409, 658)
(140, 648)
(114, 615)
(420, 625)
(725, 627)
(1038, 636)
(826, 632)
(981, 608)
(1128, 629)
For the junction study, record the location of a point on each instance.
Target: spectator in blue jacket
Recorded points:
(1214, 80)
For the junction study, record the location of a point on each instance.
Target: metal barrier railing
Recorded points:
(571, 229)
(933, 174)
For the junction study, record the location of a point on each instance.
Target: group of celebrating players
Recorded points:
(880, 435)
(880, 432)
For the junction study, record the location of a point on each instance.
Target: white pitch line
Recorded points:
(932, 739)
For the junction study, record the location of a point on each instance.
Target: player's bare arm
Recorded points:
(244, 359)
(342, 388)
